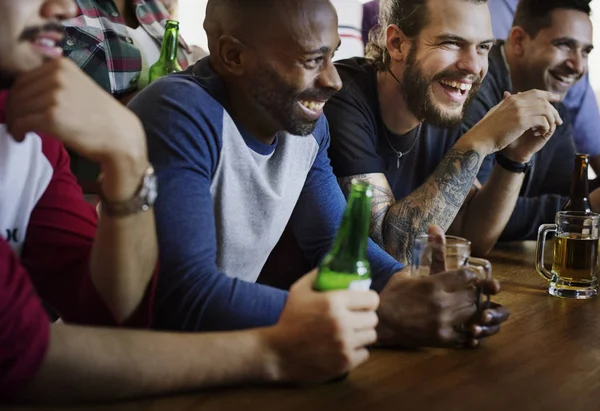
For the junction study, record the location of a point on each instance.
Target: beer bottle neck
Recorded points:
(579, 181)
(351, 241)
(168, 52)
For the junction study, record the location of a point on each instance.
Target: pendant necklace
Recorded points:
(400, 154)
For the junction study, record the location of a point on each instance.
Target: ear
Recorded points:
(234, 56)
(518, 39)
(397, 43)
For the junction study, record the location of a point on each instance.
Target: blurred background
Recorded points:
(191, 16)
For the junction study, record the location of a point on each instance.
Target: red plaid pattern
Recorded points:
(98, 41)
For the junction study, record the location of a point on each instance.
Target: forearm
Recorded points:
(437, 201)
(91, 364)
(125, 248)
(490, 209)
(123, 260)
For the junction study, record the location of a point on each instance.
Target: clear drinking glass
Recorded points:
(456, 253)
(574, 272)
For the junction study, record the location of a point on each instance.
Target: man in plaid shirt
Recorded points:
(100, 40)
(115, 43)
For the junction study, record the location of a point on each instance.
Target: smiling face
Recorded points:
(557, 56)
(293, 74)
(447, 60)
(29, 31)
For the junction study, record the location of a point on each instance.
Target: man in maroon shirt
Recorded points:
(101, 272)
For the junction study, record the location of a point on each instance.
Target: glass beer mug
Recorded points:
(574, 271)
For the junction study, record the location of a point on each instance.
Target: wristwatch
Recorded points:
(513, 166)
(142, 200)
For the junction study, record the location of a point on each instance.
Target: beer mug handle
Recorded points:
(483, 266)
(539, 251)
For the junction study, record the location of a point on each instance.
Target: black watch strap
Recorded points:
(512, 166)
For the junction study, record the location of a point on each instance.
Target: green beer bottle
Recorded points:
(346, 265)
(167, 62)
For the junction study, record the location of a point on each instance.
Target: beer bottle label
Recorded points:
(360, 285)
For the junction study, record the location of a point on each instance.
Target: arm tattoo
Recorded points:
(437, 201)
(382, 200)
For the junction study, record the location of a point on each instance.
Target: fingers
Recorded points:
(437, 242)
(535, 103)
(436, 234)
(453, 336)
(464, 316)
(358, 357)
(352, 300)
(364, 338)
(362, 320)
(493, 314)
(24, 124)
(52, 75)
(31, 116)
(557, 118)
(22, 95)
(456, 280)
(543, 126)
(305, 283)
(546, 95)
(539, 94)
(358, 300)
(489, 286)
(541, 115)
(482, 331)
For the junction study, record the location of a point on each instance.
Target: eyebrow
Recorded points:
(573, 42)
(459, 39)
(323, 50)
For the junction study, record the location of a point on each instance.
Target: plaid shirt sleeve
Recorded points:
(98, 41)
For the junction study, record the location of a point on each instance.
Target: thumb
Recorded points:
(306, 282)
(506, 95)
(437, 242)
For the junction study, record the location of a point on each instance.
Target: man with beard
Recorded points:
(396, 122)
(103, 275)
(547, 49)
(239, 142)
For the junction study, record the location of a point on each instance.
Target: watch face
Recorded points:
(152, 187)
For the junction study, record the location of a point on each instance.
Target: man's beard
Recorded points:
(280, 100)
(417, 90)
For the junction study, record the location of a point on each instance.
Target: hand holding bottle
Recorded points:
(321, 336)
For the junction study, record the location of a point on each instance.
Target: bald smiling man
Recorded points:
(239, 143)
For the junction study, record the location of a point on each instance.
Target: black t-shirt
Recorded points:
(548, 182)
(360, 142)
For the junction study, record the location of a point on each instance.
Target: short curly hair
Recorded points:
(411, 16)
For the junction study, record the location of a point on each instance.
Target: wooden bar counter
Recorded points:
(547, 357)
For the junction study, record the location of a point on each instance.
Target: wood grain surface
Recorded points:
(547, 357)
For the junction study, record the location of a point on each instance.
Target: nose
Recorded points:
(471, 61)
(577, 62)
(58, 9)
(329, 77)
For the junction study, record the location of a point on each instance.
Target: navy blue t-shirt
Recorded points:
(362, 144)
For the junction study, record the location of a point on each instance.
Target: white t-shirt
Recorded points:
(349, 28)
(149, 50)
